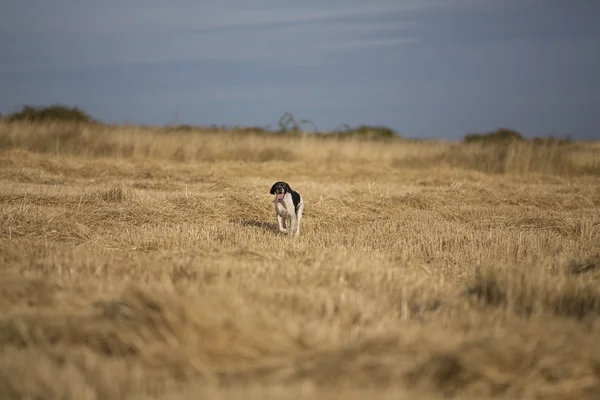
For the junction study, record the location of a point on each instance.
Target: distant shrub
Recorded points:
(259, 130)
(181, 128)
(374, 132)
(55, 112)
(287, 123)
(290, 127)
(551, 140)
(365, 132)
(499, 136)
(505, 135)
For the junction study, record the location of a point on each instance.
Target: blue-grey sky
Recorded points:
(427, 68)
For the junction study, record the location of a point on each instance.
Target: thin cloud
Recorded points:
(296, 37)
(350, 45)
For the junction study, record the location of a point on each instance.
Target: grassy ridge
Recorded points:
(201, 145)
(140, 261)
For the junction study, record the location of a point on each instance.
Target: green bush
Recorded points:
(499, 136)
(55, 112)
(374, 132)
(364, 132)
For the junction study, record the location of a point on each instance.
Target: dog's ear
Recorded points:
(288, 189)
(273, 188)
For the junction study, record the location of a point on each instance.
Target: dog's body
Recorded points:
(288, 207)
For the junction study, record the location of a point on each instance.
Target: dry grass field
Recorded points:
(139, 263)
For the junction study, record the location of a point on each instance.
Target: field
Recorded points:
(142, 262)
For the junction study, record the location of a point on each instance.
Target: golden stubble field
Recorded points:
(139, 263)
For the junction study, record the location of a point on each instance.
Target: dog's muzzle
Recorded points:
(278, 197)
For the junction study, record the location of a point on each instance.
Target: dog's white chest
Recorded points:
(285, 206)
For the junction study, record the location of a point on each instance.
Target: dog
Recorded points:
(288, 207)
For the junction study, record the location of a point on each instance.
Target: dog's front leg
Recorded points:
(293, 223)
(300, 210)
(281, 224)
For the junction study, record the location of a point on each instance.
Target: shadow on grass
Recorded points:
(264, 225)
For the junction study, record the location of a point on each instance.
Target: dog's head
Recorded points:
(279, 189)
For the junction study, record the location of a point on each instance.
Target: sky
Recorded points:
(426, 68)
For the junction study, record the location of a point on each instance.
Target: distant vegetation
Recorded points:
(55, 112)
(287, 124)
(366, 132)
(500, 135)
(506, 135)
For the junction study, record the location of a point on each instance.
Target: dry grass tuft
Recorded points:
(526, 294)
(519, 366)
(589, 266)
(145, 263)
(116, 194)
(517, 157)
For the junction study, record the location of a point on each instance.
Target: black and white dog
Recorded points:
(288, 207)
